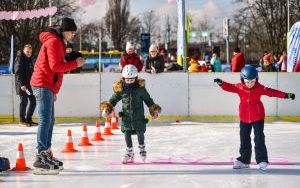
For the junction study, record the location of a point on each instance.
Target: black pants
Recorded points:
(23, 106)
(128, 139)
(261, 154)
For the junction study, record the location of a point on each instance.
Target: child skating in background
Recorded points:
(131, 90)
(252, 114)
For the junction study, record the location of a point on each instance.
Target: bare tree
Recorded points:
(268, 21)
(149, 23)
(28, 30)
(120, 27)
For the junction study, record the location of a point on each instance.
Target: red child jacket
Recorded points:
(131, 59)
(251, 108)
(50, 64)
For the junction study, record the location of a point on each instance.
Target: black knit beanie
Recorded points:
(68, 24)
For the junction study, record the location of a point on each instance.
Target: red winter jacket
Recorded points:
(251, 108)
(50, 64)
(131, 59)
(237, 62)
(297, 67)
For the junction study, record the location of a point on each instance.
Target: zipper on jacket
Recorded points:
(249, 107)
(130, 92)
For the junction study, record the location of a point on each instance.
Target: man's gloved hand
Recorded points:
(218, 81)
(290, 96)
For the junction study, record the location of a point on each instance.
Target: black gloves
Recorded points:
(290, 96)
(72, 56)
(218, 81)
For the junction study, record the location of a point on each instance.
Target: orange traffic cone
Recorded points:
(114, 122)
(97, 135)
(69, 147)
(84, 138)
(107, 128)
(20, 161)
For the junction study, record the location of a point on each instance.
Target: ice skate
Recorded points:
(143, 153)
(263, 166)
(239, 165)
(55, 160)
(44, 166)
(128, 157)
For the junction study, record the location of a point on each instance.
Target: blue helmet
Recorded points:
(249, 73)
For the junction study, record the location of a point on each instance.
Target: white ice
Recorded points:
(186, 154)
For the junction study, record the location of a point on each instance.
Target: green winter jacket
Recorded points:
(132, 114)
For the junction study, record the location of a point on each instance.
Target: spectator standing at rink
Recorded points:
(46, 82)
(252, 115)
(237, 61)
(283, 62)
(154, 62)
(131, 58)
(268, 65)
(216, 63)
(23, 72)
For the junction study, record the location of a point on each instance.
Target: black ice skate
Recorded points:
(143, 152)
(128, 157)
(43, 165)
(57, 162)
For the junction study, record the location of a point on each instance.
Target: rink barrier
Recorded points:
(178, 93)
(9, 119)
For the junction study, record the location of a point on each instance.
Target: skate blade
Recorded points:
(41, 171)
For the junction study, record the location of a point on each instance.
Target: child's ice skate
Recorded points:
(143, 152)
(128, 157)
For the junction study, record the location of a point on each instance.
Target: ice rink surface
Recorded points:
(183, 155)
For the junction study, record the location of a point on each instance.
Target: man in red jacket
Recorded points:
(297, 67)
(131, 58)
(237, 61)
(46, 81)
(252, 114)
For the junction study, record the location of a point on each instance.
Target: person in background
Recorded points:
(283, 62)
(154, 62)
(131, 58)
(72, 55)
(237, 61)
(268, 65)
(23, 72)
(216, 63)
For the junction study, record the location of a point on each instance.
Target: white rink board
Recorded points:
(178, 93)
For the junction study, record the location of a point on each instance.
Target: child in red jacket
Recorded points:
(252, 114)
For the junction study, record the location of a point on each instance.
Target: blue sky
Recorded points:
(198, 8)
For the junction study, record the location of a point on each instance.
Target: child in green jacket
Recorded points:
(133, 93)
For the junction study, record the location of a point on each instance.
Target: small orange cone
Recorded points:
(107, 128)
(20, 161)
(97, 135)
(114, 122)
(69, 147)
(84, 138)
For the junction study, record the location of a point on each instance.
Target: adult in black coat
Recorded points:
(154, 62)
(23, 72)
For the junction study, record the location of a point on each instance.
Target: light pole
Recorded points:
(50, 17)
(288, 15)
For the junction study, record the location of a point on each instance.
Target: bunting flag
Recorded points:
(27, 14)
(293, 47)
(85, 3)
